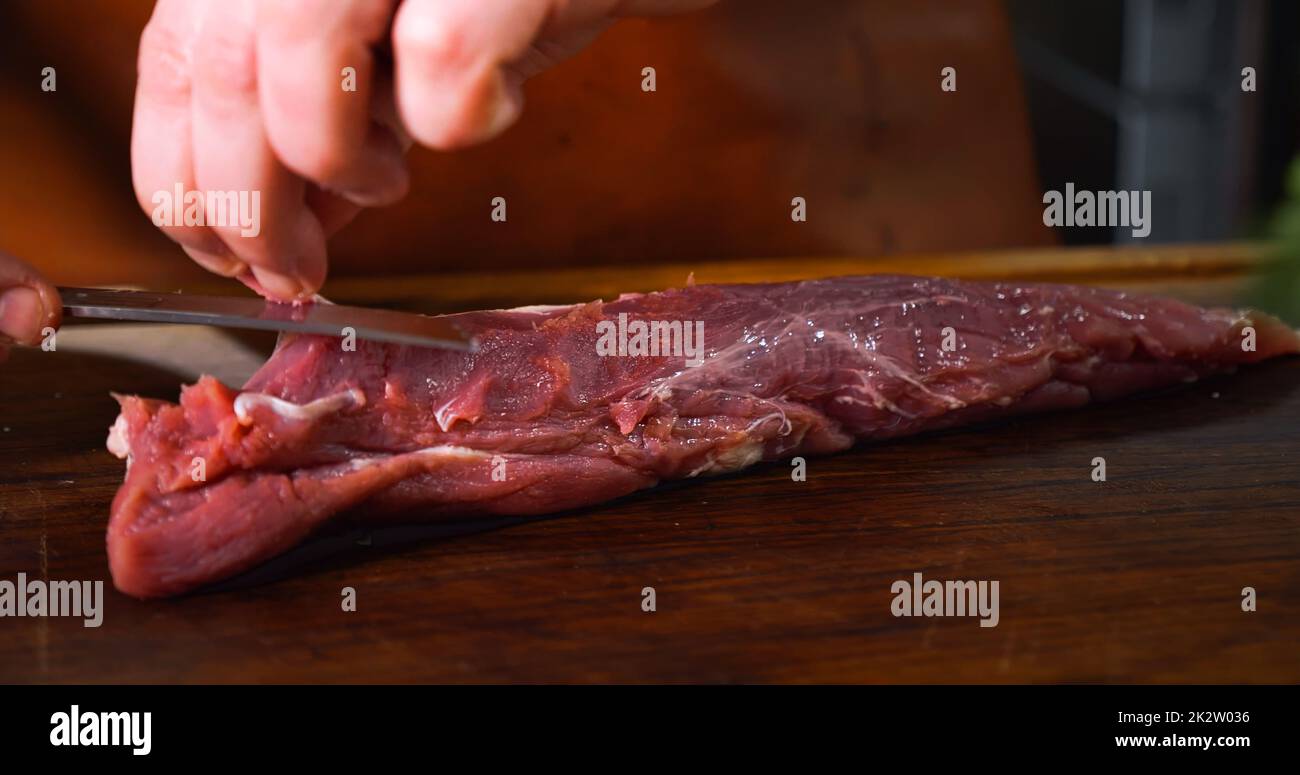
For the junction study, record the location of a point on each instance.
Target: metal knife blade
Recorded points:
(379, 325)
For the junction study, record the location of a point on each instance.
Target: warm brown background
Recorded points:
(758, 101)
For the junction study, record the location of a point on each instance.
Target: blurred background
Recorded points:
(758, 101)
(1147, 95)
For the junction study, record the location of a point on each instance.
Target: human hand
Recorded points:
(249, 96)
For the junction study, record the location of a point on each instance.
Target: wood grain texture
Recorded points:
(758, 578)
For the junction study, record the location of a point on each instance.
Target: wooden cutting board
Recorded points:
(756, 577)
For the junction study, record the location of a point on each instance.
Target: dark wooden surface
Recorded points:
(758, 578)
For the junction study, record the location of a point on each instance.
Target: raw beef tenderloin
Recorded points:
(548, 415)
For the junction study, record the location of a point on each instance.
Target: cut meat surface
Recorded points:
(562, 407)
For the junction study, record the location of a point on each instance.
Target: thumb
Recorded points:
(28, 303)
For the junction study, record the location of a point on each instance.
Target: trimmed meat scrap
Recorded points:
(569, 406)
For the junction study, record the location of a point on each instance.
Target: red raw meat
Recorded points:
(537, 421)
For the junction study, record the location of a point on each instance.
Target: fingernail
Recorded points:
(21, 314)
(386, 194)
(280, 286)
(389, 179)
(226, 266)
(284, 288)
(503, 110)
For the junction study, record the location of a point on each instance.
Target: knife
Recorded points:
(379, 325)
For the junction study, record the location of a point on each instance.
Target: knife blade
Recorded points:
(379, 325)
